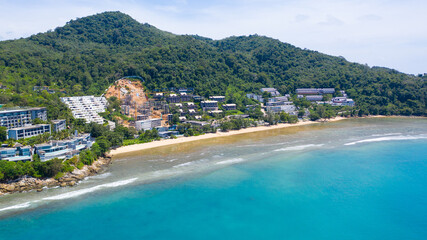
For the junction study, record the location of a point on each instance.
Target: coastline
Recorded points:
(69, 179)
(167, 142)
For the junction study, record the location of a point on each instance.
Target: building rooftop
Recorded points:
(30, 127)
(20, 109)
(57, 121)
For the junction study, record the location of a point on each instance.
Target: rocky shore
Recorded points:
(69, 179)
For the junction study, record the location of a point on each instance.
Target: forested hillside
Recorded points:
(88, 54)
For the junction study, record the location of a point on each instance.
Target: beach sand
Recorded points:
(167, 142)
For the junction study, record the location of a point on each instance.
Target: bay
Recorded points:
(353, 179)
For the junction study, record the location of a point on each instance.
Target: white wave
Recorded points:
(385, 134)
(92, 189)
(100, 176)
(190, 163)
(298, 148)
(184, 164)
(391, 138)
(18, 206)
(231, 161)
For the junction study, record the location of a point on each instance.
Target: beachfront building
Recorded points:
(87, 107)
(272, 91)
(229, 107)
(20, 117)
(18, 153)
(63, 149)
(291, 109)
(166, 134)
(342, 101)
(28, 131)
(197, 123)
(217, 98)
(315, 91)
(59, 125)
(148, 124)
(209, 105)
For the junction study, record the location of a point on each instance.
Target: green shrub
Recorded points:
(80, 165)
(59, 175)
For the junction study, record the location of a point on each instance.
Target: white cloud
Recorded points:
(378, 32)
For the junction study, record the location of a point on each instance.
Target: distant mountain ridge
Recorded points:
(88, 54)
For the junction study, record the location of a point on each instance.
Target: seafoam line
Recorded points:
(298, 148)
(391, 138)
(18, 206)
(89, 190)
(231, 161)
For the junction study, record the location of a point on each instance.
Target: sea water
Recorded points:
(354, 179)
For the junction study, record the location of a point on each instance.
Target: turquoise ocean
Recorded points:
(352, 179)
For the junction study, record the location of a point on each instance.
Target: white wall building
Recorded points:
(148, 124)
(87, 107)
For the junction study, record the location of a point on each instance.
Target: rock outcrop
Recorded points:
(69, 179)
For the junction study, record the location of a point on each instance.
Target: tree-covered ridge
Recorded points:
(88, 54)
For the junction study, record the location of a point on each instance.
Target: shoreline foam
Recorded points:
(167, 142)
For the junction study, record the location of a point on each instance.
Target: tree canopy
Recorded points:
(88, 54)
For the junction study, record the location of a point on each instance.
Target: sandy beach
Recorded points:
(166, 142)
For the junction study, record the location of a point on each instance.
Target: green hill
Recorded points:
(88, 54)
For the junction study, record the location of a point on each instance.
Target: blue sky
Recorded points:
(387, 33)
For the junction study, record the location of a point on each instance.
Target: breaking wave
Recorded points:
(298, 148)
(231, 161)
(100, 176)
(385, 134)
(18, 206)
(184, 164)
(89, 190)
(391, 138)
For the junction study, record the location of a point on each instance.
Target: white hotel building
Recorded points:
(87, 107)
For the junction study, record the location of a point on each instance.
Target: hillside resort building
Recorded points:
(63, 149)
(209, 105)
(314, 91)
(87, 107)
(21, 117)
(28, 131)
(59, 125)
(18, 153)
